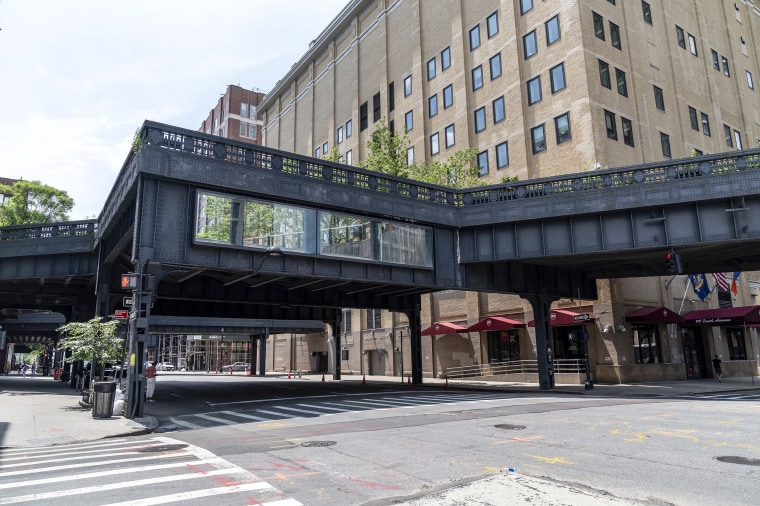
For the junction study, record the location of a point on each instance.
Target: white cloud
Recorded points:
(80, 77)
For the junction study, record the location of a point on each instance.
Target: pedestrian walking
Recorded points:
(150, 375)
(718, 370)
(23, 370)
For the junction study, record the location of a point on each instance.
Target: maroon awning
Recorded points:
(560, 317)
(496, 323)
(654, 315)
(443, 328)
(724, 316)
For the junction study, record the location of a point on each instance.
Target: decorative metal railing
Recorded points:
(561, 366)
(204, 145)
(49, 230)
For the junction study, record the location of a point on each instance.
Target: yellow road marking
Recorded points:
(519, 439)
(549, 460)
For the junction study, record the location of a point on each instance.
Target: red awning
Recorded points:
(654, 315)
(560, 317)
(443, 328)
(724, 316)
(496, 323)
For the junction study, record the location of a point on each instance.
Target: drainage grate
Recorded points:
(509, 426)
(318, 443)
(162, 448)
(745, 461)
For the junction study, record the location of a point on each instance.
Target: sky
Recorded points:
(79, 77)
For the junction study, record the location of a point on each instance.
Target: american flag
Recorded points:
(720, 280)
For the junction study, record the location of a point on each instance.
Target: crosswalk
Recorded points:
(125, 472)
(724, 396)
(317, 407)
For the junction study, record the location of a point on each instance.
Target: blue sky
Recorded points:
(78, 77)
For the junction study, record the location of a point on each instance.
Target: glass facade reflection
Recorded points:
(237, 221)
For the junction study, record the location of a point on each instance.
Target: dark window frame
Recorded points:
(475, 37)
(562, 137)
(529, 85)
(554, 85)
(479, 119)
(495, 25)
(547, 27)
(491, 60)
(433, 105)
(530, 36)
(615, 36)
(610, 124)
(622, 84)
(538, 148)
(376, 112)
(500, 165)
(646, 11)
(445, 58)
(598, 25)
(477, 78)
(604, 74)
(448, 96)
(659, 98)
(499, 114)
(626, 126)
(665, 145)
(693, 119)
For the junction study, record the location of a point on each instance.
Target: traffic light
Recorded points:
(673, 262)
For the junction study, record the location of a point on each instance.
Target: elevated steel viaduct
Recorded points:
(196, 218)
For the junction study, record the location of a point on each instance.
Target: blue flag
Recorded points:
(699, 282)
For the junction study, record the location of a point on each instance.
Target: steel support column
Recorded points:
(335, 324)
(253, 344)
(541, 305)
(263, 352)
(415, 339)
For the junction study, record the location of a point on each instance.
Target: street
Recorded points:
(307, 442)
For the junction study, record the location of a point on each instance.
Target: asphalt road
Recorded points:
(276, 442)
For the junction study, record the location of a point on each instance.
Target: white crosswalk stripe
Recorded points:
(158, 470)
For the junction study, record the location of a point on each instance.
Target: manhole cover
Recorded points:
(509, 426)
(161, 448)
(318, 443)
(745, 461)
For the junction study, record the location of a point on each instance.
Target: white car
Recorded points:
(164, 366)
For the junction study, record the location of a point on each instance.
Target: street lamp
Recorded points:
(272, 251)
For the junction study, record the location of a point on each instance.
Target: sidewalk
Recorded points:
(40, 411)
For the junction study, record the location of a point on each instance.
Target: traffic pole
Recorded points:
(364, 379)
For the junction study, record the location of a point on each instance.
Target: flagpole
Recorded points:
(683, 299)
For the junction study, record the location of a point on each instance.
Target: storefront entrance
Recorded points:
(694, 355)
(503, 346)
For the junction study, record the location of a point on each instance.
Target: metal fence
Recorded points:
(561, 366)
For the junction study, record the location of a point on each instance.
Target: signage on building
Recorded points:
(127, 301)
(581, 317)
(121, 314)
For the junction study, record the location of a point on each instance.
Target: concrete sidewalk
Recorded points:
(40, 411)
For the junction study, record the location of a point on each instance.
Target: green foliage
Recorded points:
(136, 141)
(332, 156)
(216, 213)
(94, 340)
(32, 202)
(387, 152)
(35, 351)
(456, 172)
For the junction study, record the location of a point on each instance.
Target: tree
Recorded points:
(93, 340)
(387, 152)
(32, 202)
(456, 172)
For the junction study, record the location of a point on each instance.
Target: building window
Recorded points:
(431, 69)
(433, 105)
(492, 24)
(410, 157)
(646, 349)
(665, 142)
(391, 97)
(715, 62)
(445, 58)
(604, 74)
(495, 62)
(538, 139)
(349, 128)
(610, 125)
(530, 46)
(480, 119)
(409, 121)
(477, 77)
(706, 124)
(340, 134)
(450, 138)
(435, 147)
(345, 322)
(557, 77)
(502, 155)
(552, 30)
(737, 349)
(738, 139)
(499, 110)
(693, 45)
(750, 82)
(243, 110)
(317, 153)
(407, 86)
(349, 157)
(598, 26)
(373, 318)
(534, 90)
(615, 36)
(392, 127)
(646, 11)
(659, 100)
(726, 71)
(525, 6)
(376, 107)
(562, 127)
(363, 116)
(483, 163)
(324, 149)
(693, 120)
(627, 131)
(475, 38)
(448, 96)
(611, 1)
(622, 87)
(729, 138)
(680, 37)
(243, 129)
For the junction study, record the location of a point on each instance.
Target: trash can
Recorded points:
(103, 394)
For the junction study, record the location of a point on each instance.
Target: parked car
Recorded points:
(164, 366)
(237, 366)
